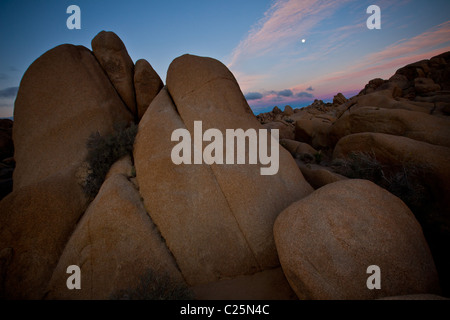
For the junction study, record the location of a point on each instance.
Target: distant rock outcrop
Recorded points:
(285, 129)
(410, 124)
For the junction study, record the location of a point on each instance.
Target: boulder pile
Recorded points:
(159, 230)
(395, 133)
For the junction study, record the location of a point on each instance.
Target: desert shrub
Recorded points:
(318, 157)
(305, 157)
(404, 180)
(289, 120)
(154, 286)
(408, 184)
(103, 151)
(359, 165)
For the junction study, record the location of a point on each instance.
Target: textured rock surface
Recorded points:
(297, 148)
(147, 85)
(222, 212)
(327, 240)
(218, 228)
(52, 124)
(313, 131)
(384, 99)
(318, 176)
(36, 221)
(266, 285)
(63, 98)
(288, 111)
(286, 131)
(114, 59)
(187, 203)
(414, 125)
(115, 244)
(122, 166)
(212, 95)
(431, 160)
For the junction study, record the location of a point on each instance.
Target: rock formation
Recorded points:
(147, 85)
(114, 59)
(160, 230)
(226, 207)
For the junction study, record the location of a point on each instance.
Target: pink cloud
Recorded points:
(283, 23)
(247, 80)
(384, 63)
(349, 82)
(438, 35)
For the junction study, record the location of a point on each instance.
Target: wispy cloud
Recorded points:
(254, 96)
(339, 54)
(283, 24)
(277, 95)
(270, 98)
(422, 42)
(246, 80)
(423, 46)
(304, 94)
(9, 92)
(285, 93)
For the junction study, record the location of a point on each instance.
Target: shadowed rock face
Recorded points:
(36, 221)
(6, 143)
(114, 59)
(147, 85)
(64, 97)
(7, 162)
(392, 150)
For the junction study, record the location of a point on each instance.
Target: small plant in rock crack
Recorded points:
(155, 286)
(318, 157)
(360, 165)
(103, 151)
(289, 120)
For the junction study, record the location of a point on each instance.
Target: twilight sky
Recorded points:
(259, 40)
